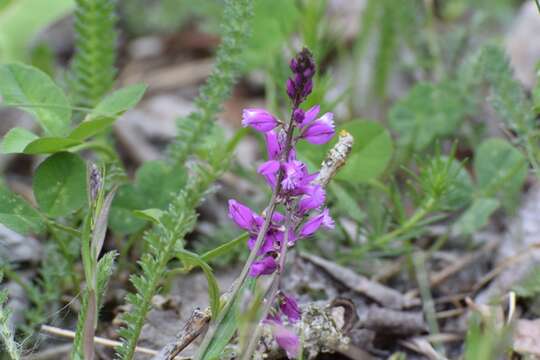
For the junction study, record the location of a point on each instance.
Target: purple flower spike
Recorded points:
(290, 308)
(243, 216)
(301, 85)
(273, 144)
(259, 119)
(313, 198)
(266, 266)
(286, 339)
(321, 130)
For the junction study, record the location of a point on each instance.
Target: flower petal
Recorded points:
(314, 196)
(243, 216)
(270, 170)
(273, 144)
(259, 119)
(311, 226)
(310, 115)
(265, 266)
(321, 130)
(286, 339)
(290, 308)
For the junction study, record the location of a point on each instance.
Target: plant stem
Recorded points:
(239, 282)
(409, 224)
(273, 289)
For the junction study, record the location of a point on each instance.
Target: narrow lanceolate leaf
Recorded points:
(33, 91)
(59, 184)
(18, 215)
(213, 287)
(100, 227)
(227, 327)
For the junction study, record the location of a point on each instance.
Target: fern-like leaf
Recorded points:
(93, 70)
(507, 95)
(6, 335)
(235, 29)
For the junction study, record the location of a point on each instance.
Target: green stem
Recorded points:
(409, 224)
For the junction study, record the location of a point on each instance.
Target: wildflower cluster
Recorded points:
(294, 188)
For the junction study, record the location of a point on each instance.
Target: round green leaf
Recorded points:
(428, 111)
(60, 184)
(17, 214)
(32, 90)
(371, 152)
(500, 169)
(16, 140)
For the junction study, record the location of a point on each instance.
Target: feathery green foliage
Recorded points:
(6, 335)
(95, 41)
(179, 219)
(507, 96)
(162, 240)
(235, 30)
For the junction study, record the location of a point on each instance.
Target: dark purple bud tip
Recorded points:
(299, 116)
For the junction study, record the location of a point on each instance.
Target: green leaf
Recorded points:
(213, 287)
(476, 216)
(16, 140)
(22, 20)
(224, 248)
(154, 182)
(49, 145)
(371, 152)
(428, 111)
(59, 184)
(152, 215)
(89, 128)
(18, 215)
(119, 101)
(273, 22)
(461, 190)
(500, 169)
(227, 327)
(32, 90)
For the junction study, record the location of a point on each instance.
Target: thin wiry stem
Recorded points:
(239, 282)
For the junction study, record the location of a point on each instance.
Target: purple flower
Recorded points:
(328, 222)
(310, 115)
(273, 144)
(289, 307)
(294, 171)
(314, 196)
(270, 171)
(266, 266)
(286, 339)
(320, 131)
(243, 216)
(313, 224)
(259, 119)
